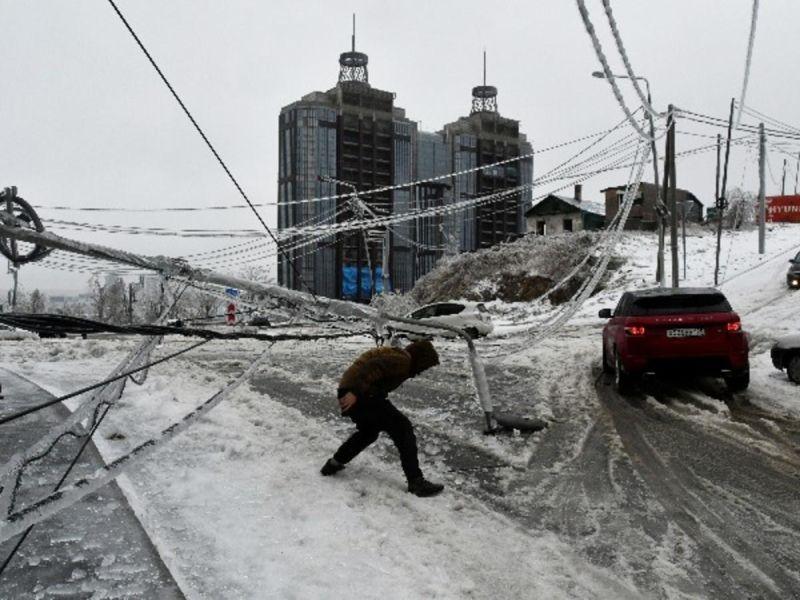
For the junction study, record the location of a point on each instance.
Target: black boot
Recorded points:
(331, 467)
(422, 487)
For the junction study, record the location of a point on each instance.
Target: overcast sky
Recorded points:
(85, 121)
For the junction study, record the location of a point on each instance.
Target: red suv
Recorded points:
(683, 329)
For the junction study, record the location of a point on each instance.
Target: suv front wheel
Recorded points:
(793, 368)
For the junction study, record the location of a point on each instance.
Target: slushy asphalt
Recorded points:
(95, 549)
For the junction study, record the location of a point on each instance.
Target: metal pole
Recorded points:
(387, 240)
(721, 197)
(14, 292)
(762, 206)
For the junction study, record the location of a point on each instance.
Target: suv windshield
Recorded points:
(677, 304)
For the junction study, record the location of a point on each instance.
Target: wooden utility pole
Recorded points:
(130, 302)
(673, 204)
(721, 201)
(683, 235)
(783, 179)
(762, 205)
(665, 191)
(796, 173)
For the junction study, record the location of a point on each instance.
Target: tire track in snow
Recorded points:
(676, 459)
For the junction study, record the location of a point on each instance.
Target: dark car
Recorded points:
(793, 274)
(786, 355)
(260, 321)
(686, 330)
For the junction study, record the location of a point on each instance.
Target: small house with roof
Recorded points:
(562, 214)
(643, 213)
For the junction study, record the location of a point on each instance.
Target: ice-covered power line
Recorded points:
(367, 192)
(723, 123)
(748, 60)
(760, 116)
(609, 76)
(205, 139)
(645, 100)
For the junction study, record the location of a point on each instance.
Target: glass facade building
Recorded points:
(353, 139)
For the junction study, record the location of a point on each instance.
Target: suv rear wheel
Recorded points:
(793, 368)
(738, 382)
(623, 382)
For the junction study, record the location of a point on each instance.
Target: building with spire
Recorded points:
(348, 139)
(484, 137)
(353, 138)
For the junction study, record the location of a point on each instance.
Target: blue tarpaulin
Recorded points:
(349, 281)
(366, 283)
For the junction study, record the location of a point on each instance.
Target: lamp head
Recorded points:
(599, 75)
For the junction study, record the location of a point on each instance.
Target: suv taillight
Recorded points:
(636, 330)
(734, 326)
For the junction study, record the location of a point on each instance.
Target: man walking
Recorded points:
(363, 396)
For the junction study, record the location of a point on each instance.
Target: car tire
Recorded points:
(793, 368)
(738, 382)
(607, 368)
(623, 382)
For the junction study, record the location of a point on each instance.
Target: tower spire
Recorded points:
(484, 97)
(352, 64)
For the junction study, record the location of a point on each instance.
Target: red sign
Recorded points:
(231, 314)
(783, 209)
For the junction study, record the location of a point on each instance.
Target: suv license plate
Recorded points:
(686, 332)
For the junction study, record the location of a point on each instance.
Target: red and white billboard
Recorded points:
(783, 209)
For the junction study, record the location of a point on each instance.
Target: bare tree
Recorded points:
(116, 303)
(37, 301)
(741, 209)
(99, 297)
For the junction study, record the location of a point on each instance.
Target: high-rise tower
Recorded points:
(349, 139)
(482, 138)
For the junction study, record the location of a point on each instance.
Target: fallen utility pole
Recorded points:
(762, 205)
(170, 267)
(721, 201)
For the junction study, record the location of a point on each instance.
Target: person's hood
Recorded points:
(423, 356)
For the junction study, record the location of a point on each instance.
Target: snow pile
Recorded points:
(519, 271)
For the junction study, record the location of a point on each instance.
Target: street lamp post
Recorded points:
(661, 208)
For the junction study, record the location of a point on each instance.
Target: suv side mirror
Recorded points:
(605, 313)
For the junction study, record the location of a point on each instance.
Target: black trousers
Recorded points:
(372, 417)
